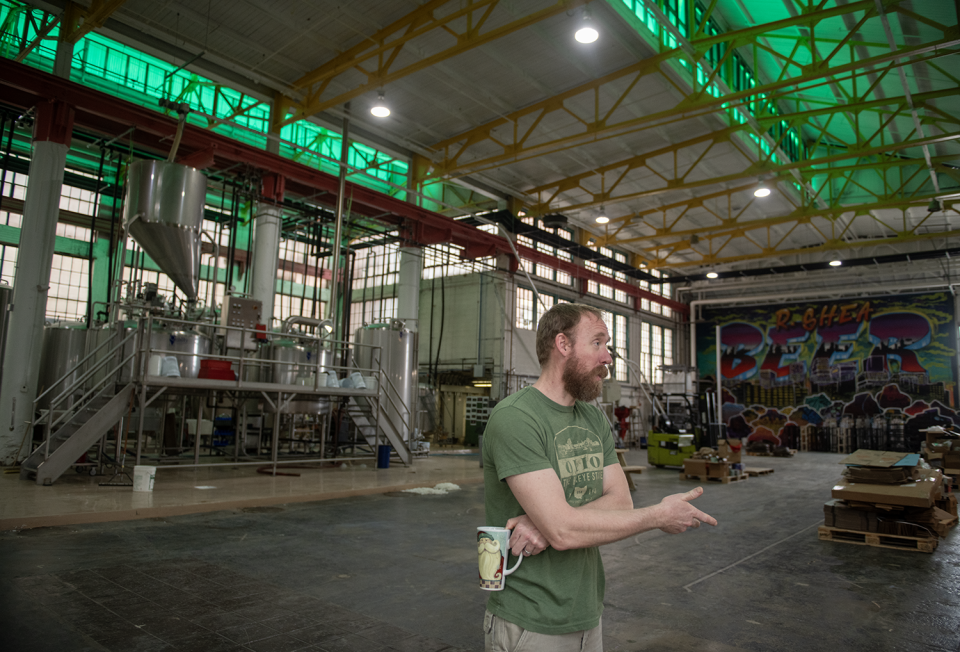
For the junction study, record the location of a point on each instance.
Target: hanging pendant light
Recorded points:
(587, 32)
(380, 109)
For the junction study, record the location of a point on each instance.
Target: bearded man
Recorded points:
(489, 558)
(552, 476)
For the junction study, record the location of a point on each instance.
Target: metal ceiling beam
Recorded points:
(906, 90)
(78, 21)
(383, 47)
(544, 197)
(661, 262)
(659, 252)
(516, 129)
(731, 225)
(24, 87)
(678, 183)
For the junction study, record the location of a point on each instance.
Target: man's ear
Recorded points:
(563, 344)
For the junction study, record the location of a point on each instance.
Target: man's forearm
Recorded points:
(598, 526)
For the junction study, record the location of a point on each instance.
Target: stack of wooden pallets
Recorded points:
(888, 500)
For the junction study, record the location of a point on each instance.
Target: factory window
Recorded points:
(529, 311)
(77, 200)
(376, 266)
(69, 286)
(8, 264)
(525, 308)
(299, 290)
(15, 186)
(74, 232)
(444, 260)
(164, 285)
(617, 326)
(656, 354)
(289, 305)
(645, 352)
(735, 72)
(376, 311)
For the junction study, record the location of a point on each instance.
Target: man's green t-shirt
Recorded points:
(555, 592)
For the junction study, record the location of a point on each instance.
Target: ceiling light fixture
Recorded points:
(380, 109)
(587, 32)
(712, 275)
(761, 191)
(836, 263)
(602, 217)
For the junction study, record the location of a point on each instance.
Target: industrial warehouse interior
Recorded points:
(267, 267)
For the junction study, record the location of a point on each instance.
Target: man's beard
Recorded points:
(583, 385)
(489, 558)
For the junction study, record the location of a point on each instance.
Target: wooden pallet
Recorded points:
(876, 540)
(756, 472)
(703, 478)
(793, 451)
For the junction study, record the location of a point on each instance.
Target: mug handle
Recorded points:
(515, 566)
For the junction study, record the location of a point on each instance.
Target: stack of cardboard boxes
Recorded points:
(941, 451)
(889, 500)
(721, 465)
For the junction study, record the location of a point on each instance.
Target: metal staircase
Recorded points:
(367, 413)
(71, 427)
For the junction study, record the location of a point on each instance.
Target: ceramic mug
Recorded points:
(493, 548)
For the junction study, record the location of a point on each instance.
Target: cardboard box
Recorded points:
(837, 513)
(731, 449)
(892, 475)
(948, 504)
(706, 468)
(880, 459)
(921, 493)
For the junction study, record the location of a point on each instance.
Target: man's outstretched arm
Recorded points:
(564, 527)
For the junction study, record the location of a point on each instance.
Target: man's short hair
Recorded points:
(562, 318)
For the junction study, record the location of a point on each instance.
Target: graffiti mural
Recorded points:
(875, 369)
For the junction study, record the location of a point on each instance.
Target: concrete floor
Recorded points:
(396, 571)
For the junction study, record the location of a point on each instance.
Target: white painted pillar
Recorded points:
(63, 59)
(41, 209)
(266, 255)
(267, 228)
(408, 286)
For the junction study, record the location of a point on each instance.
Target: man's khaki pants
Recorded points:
(502, 636)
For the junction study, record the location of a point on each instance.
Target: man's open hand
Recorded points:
(677, 514)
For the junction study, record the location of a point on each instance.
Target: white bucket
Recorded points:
(155, 366)
(143, 477)
(357, 380)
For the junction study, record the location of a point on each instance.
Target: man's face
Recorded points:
(585, 369)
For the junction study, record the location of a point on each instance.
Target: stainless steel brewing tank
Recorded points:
(163, 211)
(396, 356)
(189, 347)
(64, 346)
(96, 337)
(290, 362)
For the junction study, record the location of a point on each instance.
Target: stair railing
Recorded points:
(395, 400)
(46, 417)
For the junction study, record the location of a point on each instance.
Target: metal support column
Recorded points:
(408, 286)
(266, 244)
(41, 209)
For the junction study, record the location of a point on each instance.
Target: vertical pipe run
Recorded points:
(332, 313)
(719, 386)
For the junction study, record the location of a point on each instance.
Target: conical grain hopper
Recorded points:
(163, 211)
